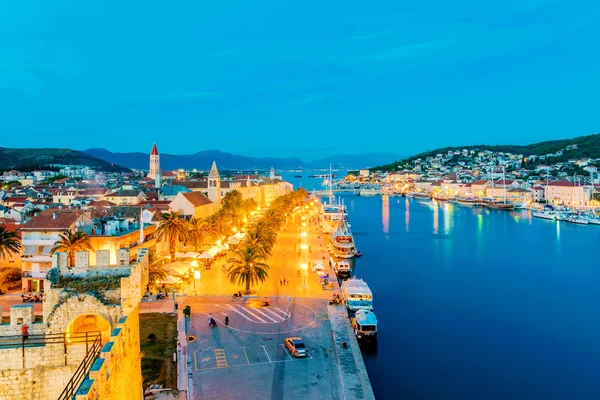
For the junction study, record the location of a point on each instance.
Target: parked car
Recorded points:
(296, 346)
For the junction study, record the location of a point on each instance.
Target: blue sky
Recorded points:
(310, 79)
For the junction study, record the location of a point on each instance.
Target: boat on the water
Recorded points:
(499, 206)
(342, 267)
(357, 295)
(364, 324)
(545, 215)
(577, 219)
(297, 176)
(341, 241)
(469, 202)
(422, 196)
(359, 253)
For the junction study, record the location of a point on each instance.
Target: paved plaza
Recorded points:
(248, 360)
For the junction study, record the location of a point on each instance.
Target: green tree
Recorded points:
(156, 270)
(261, 236)
(246, 267)
(214, 227)
(9, 242)
(172, 228)
(196, 232)
(71, 242)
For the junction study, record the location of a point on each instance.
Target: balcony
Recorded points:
(34, 274)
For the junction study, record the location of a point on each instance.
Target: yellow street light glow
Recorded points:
(303, 234)
(196, 274)
(194, 263)
(234, 229)
(303, 247)
(304, 224)
(304, 267)
(219, 242)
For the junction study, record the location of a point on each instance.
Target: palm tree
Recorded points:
(247, 267)
(9, 242)
(172, 228)
(213, 227)
(262, 236)
(196, 232)
(156, 269)
(71, 242)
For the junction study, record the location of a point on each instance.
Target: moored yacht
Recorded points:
(357, 295)
(341, 241)
(364, 325)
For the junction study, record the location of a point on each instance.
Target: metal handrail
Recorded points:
(82, 371)
(12, 341)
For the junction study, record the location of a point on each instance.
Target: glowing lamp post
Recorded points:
(196, 277)
(304, 267)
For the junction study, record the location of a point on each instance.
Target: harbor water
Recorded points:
(477, 303)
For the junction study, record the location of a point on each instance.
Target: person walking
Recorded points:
(25, 333)
(226, 320)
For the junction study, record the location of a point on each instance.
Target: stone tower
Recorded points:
(214, 185)
(154, 163)
(272, 173)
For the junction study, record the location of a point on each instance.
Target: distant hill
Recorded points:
(201, 160)
(355, 161)
(587, 147)
(28, 158)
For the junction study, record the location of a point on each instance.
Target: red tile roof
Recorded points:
(53, 219)
(154, 150)
(560, 183)
(197, 198)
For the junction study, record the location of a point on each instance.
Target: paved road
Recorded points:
(247, 359)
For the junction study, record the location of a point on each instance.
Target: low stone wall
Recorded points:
(39, 383)
(353, 373)
(116, 374)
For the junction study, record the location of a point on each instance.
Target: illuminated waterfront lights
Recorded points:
(194, 263)
(304, 267)
(303, 247)
(303, 234)
(304, 224)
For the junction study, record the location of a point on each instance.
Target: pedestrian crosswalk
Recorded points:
(263, 315)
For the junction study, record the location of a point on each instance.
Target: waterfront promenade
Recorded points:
(247, 358)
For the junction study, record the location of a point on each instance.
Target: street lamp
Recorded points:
(303, 234)
(196, 276)
(304, 267)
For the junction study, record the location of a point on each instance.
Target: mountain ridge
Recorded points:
(588, 146)
(28, 158)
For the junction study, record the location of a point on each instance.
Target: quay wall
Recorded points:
(350, 361)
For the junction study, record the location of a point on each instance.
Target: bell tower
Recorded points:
(214, 185)
(154, 163)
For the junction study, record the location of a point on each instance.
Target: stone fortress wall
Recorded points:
(41, 371)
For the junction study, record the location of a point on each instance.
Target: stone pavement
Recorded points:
(355, 380)
(247, 359)
(284, 263)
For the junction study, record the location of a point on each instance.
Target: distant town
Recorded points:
(483, 174)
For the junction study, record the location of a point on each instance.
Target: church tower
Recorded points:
(214, 185)
(154, 163)
(272, 173)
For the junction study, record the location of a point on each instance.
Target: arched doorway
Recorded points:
(87, 323)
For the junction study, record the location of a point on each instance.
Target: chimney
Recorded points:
(53, 215)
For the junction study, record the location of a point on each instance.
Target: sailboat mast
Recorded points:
(330, 186)
(493, 184)
(504, 183)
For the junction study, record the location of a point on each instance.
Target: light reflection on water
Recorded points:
(385, 213)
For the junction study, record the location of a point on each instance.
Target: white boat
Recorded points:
(368, 192)
(342, 267)
(330, 217)
(357, 295)
(577, 219)
(364, 324)
(341, 241)
(594, 220)
(422, 195)
(545, 215)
